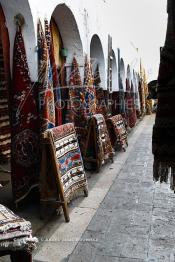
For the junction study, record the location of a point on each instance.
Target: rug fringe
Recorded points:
(164, 172)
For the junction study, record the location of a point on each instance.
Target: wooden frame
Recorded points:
(96, 159)
(46, 137)
(62, 197)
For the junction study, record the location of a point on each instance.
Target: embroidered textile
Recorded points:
(117, 131)
(46, 95)
(5, 133)
(70, 164)
(15, 232)
(25, 137)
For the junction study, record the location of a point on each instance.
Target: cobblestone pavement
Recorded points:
(136, 220)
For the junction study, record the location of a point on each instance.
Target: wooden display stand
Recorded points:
(47, 140)
(92, 146)
(52, 177)
(117, 132)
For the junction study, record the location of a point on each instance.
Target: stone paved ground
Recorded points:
(136, 220)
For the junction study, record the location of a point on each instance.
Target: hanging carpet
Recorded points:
(5, 132)
(89, 89)
(45, 80)
(76, 112)
(25, 126)
(101, 107)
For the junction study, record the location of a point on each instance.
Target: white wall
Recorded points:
(114, 17)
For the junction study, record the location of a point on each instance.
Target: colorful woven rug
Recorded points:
(117, 131)
(25, 126)
(97, 124)
(69, 160)
(15, 232)
(55, 77)
(46, 94)
(5, 133)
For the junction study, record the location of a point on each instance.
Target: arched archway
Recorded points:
(10, 11)
(69, 32)
(97, 57)
(115, 85)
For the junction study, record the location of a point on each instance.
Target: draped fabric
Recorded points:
(55, 77)
(46, 94)
(101, 107)
(163, 140)
(25, 126)
(5, 132)
(89, 90)
(76, 112)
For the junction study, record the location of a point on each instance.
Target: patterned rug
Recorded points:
(97, 124)
(117, 131)
(55, 77)
(5, 133)
(25, 126)
(70, 164)
(15, 232)
(46, 94)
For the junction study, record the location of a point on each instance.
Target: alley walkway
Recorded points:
(126, 217)
(136, 220)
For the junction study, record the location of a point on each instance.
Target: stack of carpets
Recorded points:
(15, 232)
(69, 161)
(5, 133)
(117, 131)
